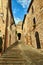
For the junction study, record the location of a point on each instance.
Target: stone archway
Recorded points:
(19, 36)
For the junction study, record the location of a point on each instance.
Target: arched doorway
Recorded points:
(37, 40)
(1, 44)
(19, 36)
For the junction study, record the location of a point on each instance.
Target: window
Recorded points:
(10, 27)
(34, 22)
(37, 40)
(3, 36)
(3, 21)
(0, 30)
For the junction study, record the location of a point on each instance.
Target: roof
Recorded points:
(30, 5)
(27, 12)
(10, 7)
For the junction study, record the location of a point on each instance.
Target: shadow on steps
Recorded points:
(11, 46)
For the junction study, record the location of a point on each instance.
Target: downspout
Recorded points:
(6, 32)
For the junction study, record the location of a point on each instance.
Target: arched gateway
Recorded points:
(19, 36)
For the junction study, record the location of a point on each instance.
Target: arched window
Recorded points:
(37, 40)
(34, 22)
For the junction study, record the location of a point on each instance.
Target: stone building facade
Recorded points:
(7, 24)
(34, 23)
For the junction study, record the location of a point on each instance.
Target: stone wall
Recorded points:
(34, 23)
(6, 22)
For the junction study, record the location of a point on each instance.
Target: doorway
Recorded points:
(37, 40)
(19, 36)
(1, 44)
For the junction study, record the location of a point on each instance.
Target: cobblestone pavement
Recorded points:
(22, 54)
(32, 55)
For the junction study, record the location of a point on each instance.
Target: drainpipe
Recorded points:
(6, 32)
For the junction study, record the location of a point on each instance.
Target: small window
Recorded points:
(3, 36)
(10, 27)
(16, 32)
(0, 30)
(3, 21)
(34, 22)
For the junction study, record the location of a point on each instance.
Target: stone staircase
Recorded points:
(12, 56)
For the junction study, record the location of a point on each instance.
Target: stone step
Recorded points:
(12, 58)
(12, 64)
(13, 61)
(9, 61)
(13, 51)
(12, 55)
